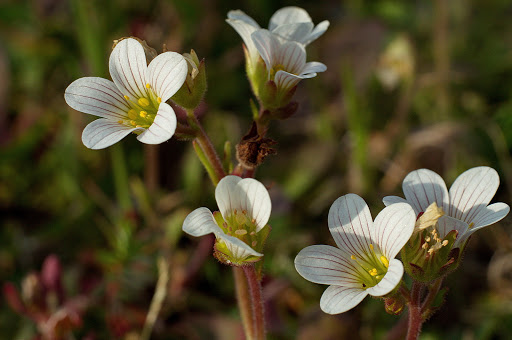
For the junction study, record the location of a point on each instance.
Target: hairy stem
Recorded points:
(415, 317)
(244, 302)
(257, 302)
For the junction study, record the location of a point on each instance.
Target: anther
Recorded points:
(120, 121)
(133, 122)
(126, 97)
(143, 114)
(132, 114)
(384, 260)
(159, 100)
(254, 243)
(352, 257)
(425, 245)
(143, 102)
(253, 221)
(148, 86)
(240, 232)
(373, 272)
(445, 242)
(371, 246)
(427, 239)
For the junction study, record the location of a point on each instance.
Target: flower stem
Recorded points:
(257, 302)
(244, 302)
(432, 293)
(209, 157)
(415, 317)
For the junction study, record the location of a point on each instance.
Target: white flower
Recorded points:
(134, 102)
(465, 205)
(245, 207)
(285, 60)
(364, 262)
(291, 23)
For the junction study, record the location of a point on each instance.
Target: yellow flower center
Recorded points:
(273, 71)
(371, 267)
(143, 110)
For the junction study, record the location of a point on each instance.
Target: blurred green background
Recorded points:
(409, 84)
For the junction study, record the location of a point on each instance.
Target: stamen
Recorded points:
(371, 246)
(384, 260)
(445, 242)
(159, 100)
(352, 257)
(471, 224)
(143, 114)
(126, 97)
(148, 86)
(254, 243)
(427, 239)
(253, 221)
(424, 246)
(373, 272)
(240, 232)
(133, 122)
(143, 102)
(120, 121)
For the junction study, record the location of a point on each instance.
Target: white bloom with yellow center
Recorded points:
(364, 262)
(466, 205)
(136, 99)
(291, 23)
(245, 207)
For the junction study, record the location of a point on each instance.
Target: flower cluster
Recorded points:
(430, 227)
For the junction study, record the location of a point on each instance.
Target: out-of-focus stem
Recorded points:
(151, 171)
(441, 55)
(244, 301)
(211, 160)
(432, 293)
(158, 298)
(120, 176)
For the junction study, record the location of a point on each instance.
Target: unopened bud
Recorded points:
(192, 92)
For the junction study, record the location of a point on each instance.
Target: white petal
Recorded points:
(350, 224)
(200, 222)
(285, 80)
(247, 194)
(326, 265)
(472, 191)
(295, 31)
(317, 32)
(102, 133)
(423, 187)
(394, 226)
(339, 299)
(445, 224)
(163, 126)
(313, 67)
(96, 96)
(267, 46)
(288, 15)
(239, 249)
(292, 56)
(390, 280)
(245, 26)
(128, 68)
(388, 200)
(489, 215)
(166, 74)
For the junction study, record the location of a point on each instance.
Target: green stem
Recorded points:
(432, 293)
(415, 317)
(257, 302)
(244, 301)
(208, 155)
(120, 176)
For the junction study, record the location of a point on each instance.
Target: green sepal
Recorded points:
(193, 89)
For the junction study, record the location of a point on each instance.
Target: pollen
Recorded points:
(384, 260)
(143, 102)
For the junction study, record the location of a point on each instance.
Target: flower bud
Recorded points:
(192, 92)
(394, 304)
(150, 52)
